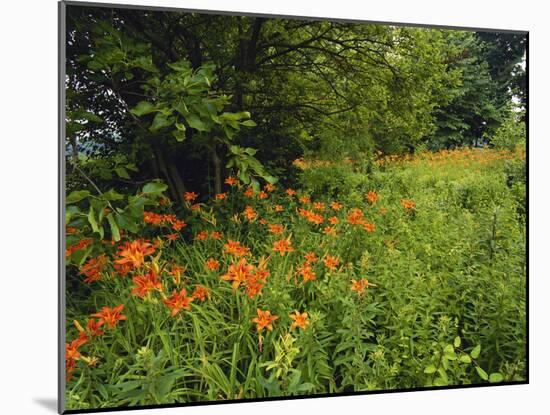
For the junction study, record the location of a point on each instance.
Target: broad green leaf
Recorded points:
(475, 351)
(178, 135)
(440, 382)
(112, 195)
(496, 377)
(465, 358)
(122, 173)
(160, 121)
(430, 369)
(92, 220)
(249, 123)
(482, 374)
(143, 108)
(195, 122)
(77, 196)
(457, 341)
(154, 187)
(114, 228)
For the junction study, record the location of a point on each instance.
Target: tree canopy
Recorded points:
(185, 97)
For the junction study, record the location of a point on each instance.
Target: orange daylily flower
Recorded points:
(201, 236)
(110, 316)
(319, 206)
(369, 227)
(145, 284)
(190, 196)
(262, 195)
(372, 197)
(80, 245)
(231, 181)
(153, 218)
(333, 220)
(276, 228)
(249, 192)
(134, 253)
(278, 208)
(201, 293)
(94, 327)
(178, 301)
(221, 196)
(359, 286)
(311, 257)
(269, 187)
(307, 272)
(311, 216)
(176, 272)
(331, 262)
(408, 204)
(235, 248)
(264, 320)
(290, 192)
(336, 206)
(212, 264)
(196, 207)
(238, 273)
(172, 236)
(304, 199)
(329, 230)
(250, 213)
(299, 320)
(355, 217)
(93, 268)
(71, 349)
(216, 235)
(178, 225)
(282, 246)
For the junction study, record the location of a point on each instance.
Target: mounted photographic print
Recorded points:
(261, 207)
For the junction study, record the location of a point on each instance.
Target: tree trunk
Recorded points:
(177, 181)
(161, 163)
(217, 171)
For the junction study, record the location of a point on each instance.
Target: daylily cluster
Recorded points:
(108, 317)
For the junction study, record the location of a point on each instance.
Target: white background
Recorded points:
(28, 204)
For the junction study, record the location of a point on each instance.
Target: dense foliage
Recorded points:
(269, 207)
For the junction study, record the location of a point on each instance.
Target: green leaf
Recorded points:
(112, 195)
(77, 196)
(482, 374)
(249, 123)
(92, 220)
(79, 256)
(154, 188)
(496, 377)
(475, 351)
(440, 382)
(195, 122)
(465, 358)
(430, 369)
(457, 341)
(178, 135)
(160, 121)
(122, 173)
(114, 228)
(143, 108)
(181, 108)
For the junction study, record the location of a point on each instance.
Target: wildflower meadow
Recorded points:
(220, 249)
